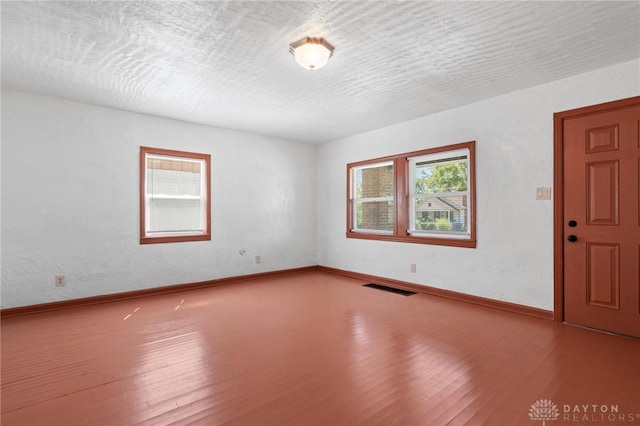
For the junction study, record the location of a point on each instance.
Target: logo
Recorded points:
(544, 409)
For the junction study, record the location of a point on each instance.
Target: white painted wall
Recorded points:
(69, 199)
(514, 258)
(70, 202)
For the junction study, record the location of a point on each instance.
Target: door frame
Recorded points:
(558, 196)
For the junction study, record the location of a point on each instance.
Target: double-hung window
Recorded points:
(174, 196)
(439, 195)
(373, 198)
(423, 197)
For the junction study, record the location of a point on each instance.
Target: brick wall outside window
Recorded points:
(377, 182)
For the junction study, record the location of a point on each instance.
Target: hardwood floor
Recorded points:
(309, 349)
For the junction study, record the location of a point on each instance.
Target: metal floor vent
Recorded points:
(390, 289)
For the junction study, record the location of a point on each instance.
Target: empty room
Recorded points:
(302, 213)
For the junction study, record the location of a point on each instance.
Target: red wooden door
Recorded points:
(601, 154)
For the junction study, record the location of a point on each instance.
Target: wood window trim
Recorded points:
(206, 234)
(401, 204)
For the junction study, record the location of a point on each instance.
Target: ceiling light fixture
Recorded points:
(311, 52)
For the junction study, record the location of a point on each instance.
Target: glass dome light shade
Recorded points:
(311, 53)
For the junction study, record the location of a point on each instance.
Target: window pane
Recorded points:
(374, 181)
(440, 202)
(449, 175)
(174, 215)
(441, 214)
(375, 215)
(176, 184)
(373, 198)
(174, 188)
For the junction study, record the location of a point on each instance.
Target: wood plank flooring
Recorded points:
(309, 349)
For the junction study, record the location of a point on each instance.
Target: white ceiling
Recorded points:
(226, 63)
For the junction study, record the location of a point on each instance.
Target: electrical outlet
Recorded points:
(258, 259)
(59, 280)
(413, 268)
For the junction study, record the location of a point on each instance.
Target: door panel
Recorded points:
(601, 175)
(603, 193)
(602, 139)
(603, 275)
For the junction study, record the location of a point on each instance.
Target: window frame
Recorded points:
(441, 158)
(402, 203)
(174, 237)
(354, 204)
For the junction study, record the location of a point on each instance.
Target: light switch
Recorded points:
(543, 193)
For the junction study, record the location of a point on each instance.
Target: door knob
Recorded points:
(572, 238)
(572, 223)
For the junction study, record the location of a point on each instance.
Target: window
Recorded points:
(423, 197)
(174, 196)
(373, 200)
(439, 194)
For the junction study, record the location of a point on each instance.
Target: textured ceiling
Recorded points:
(226, 63)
